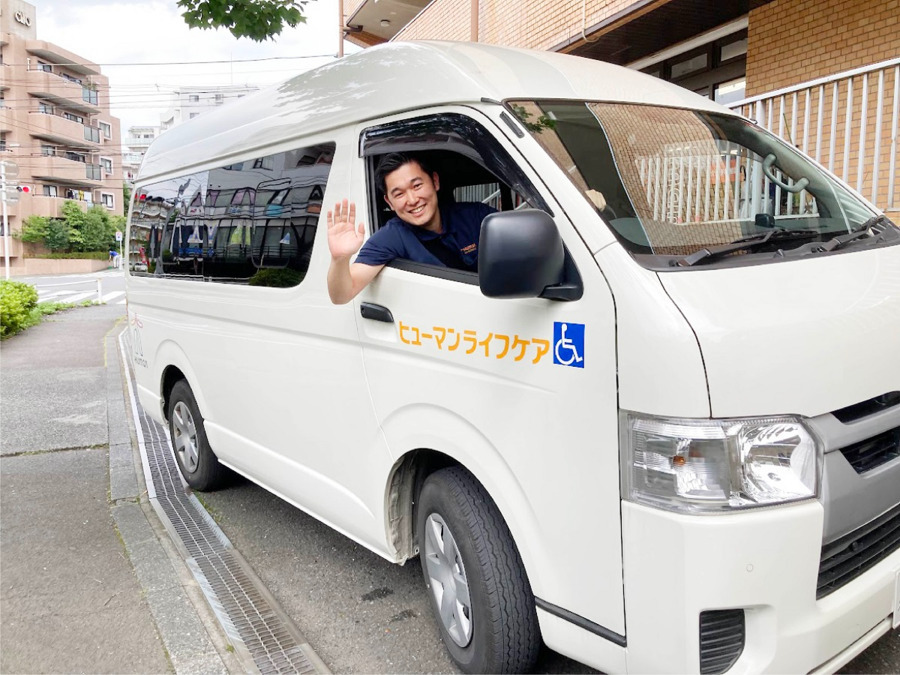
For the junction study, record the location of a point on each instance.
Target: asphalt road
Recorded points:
(361, 613)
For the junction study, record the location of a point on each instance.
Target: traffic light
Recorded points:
(24, 188)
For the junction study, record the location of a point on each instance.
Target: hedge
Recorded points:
(17, 301)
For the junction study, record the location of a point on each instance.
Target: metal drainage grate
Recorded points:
(240, 605)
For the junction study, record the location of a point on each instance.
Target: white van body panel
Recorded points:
(653, 380)
(774, 337)
(765, 560)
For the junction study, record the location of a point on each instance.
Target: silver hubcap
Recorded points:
(184, 432)
(448, 581)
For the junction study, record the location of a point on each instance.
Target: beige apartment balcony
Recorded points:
(61, 91)
(58, 129)
(7, 120)
(15, 247)
(51, 207)
(50, 168)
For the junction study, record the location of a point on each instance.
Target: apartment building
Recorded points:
(189, 102)
(55, 125)
(823, 74)
(135, 144)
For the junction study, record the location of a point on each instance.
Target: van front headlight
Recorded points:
(696, 466)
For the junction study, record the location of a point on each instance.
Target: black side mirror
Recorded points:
(520, 254)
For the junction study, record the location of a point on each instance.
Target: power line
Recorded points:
(181, 63)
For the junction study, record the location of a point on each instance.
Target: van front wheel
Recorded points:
(482, 601)
(196, 460)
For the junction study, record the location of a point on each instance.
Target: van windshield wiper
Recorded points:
(714, 252)
(866, 230)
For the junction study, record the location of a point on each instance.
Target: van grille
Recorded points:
(873, 452)
(846, 558)
(722, 635)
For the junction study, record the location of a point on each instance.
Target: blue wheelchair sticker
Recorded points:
(568, 344)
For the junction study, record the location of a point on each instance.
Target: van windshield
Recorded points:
(682, 188)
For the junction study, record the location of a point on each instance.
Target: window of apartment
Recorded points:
(75, 157)
(106, 130)
(2, 100)
(689, 64)
(106, 164)
(48, 150)
(731, 91)
(107, 200)
(194, 98)
(44, 66)
(73, 117)
(45, 108)
(68, 77)
(50, 191)
(3, 142)
(220, 99)
(264, 163)
(717, 70)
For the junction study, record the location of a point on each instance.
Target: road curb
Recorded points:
(192, 638)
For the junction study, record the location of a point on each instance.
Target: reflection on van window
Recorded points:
(251, 222)
(673, 182)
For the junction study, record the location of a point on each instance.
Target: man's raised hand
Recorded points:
(344, 235)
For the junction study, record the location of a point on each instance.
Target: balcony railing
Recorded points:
(848, 122)
(47, 84)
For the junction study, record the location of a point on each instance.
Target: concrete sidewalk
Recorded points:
(89, 580)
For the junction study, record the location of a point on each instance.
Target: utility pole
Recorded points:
(8, 170)
(340, 51)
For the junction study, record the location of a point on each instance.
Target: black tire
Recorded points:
(196, 460)
(500, 620)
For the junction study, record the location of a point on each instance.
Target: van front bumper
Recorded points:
(762, 561)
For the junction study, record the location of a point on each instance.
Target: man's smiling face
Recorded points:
(413, 195)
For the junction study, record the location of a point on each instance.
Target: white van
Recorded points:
(658, 430)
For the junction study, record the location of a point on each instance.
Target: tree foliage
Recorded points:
(34, 229)
(76, 230)
(258, 20)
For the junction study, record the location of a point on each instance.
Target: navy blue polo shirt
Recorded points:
(461, 225)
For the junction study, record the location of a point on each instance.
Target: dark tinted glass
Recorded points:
(251, 222)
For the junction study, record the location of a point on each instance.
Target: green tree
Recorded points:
(34, 229)
(258, 20)
(57, 238)
(73, 219)
(96, 229)
(126, 196)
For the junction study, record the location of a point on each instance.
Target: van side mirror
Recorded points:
(520, 254)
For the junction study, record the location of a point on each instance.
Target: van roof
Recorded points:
(397, 77)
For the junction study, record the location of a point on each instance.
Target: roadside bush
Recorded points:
(17, 302)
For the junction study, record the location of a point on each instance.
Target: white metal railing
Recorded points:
(686, 184)
(848, 122)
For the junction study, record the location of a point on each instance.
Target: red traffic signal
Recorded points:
(24, 188)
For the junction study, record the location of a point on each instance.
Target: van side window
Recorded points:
(470, 162)
(251, 222)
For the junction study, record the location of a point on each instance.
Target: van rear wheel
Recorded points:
(196, 460)
(480, 595)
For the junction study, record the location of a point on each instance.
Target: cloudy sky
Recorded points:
(117, 34)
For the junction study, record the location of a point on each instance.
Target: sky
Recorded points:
(119, 35)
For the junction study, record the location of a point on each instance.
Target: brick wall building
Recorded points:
(55, 126)
(823, 74)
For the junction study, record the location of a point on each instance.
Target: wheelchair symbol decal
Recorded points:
(568, 344)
